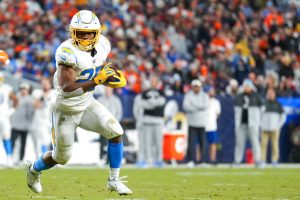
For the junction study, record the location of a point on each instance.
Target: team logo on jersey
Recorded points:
(67, 50)
(63, 57)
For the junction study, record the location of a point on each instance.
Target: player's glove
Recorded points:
(117, 81)
(104, 73)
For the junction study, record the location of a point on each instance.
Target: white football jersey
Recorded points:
(5, 107)
(213, 111)
(86, 68)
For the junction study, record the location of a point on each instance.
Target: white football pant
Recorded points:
(95, 118)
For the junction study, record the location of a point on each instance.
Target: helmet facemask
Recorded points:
(84, 44)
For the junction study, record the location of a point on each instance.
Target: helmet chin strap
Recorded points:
(85, 48)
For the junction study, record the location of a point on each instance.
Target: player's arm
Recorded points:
(71, 88)
(119, 80)
(68, 81)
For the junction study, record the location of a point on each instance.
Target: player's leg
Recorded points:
(35, 134)
(202, 143)
(141, 154)
(212, 138)
(151, 146)
(254, 138)
(275, 147)
(6, 131)
(158, 146)
(98, 119)
(14, 136)
(191, 149)
(240, 141)
(264, 145)
(63, 129)
(23, 144)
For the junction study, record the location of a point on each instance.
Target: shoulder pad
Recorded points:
(66, 56)
(105, 45)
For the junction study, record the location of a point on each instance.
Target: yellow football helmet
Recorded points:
(84, 21)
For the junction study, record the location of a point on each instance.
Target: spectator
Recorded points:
(195, 104)
(114, 105)
(232, 88)
(6, 98)
(138, 112)
(41, 127)
(273, 118)
(213, 112)
(152, 103)
(247, 121)
(22, 118)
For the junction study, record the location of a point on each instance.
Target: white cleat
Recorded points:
(116, 184)
(33, 179)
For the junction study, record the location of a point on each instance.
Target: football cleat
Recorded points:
(116, 184)
(33, 179)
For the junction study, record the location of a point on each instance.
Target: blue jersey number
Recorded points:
(90, 73)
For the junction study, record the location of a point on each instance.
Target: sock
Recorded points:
(44, 149)
(115, 156)
(7, 147)
(114, 172)
(39, 165)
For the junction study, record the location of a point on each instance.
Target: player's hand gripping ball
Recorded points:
(104, 74)
(110, 76)
(117, 80)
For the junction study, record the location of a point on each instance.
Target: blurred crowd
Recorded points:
(221, 42)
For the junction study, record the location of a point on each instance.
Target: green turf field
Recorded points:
(163, 184)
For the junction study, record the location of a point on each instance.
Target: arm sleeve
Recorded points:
(66, 56)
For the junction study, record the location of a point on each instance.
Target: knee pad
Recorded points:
(115, 127)
(62, 157)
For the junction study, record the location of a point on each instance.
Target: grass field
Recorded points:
(162, 184)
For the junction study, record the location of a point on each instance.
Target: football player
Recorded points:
(80, 63)
(6, 97)
(41, 134)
